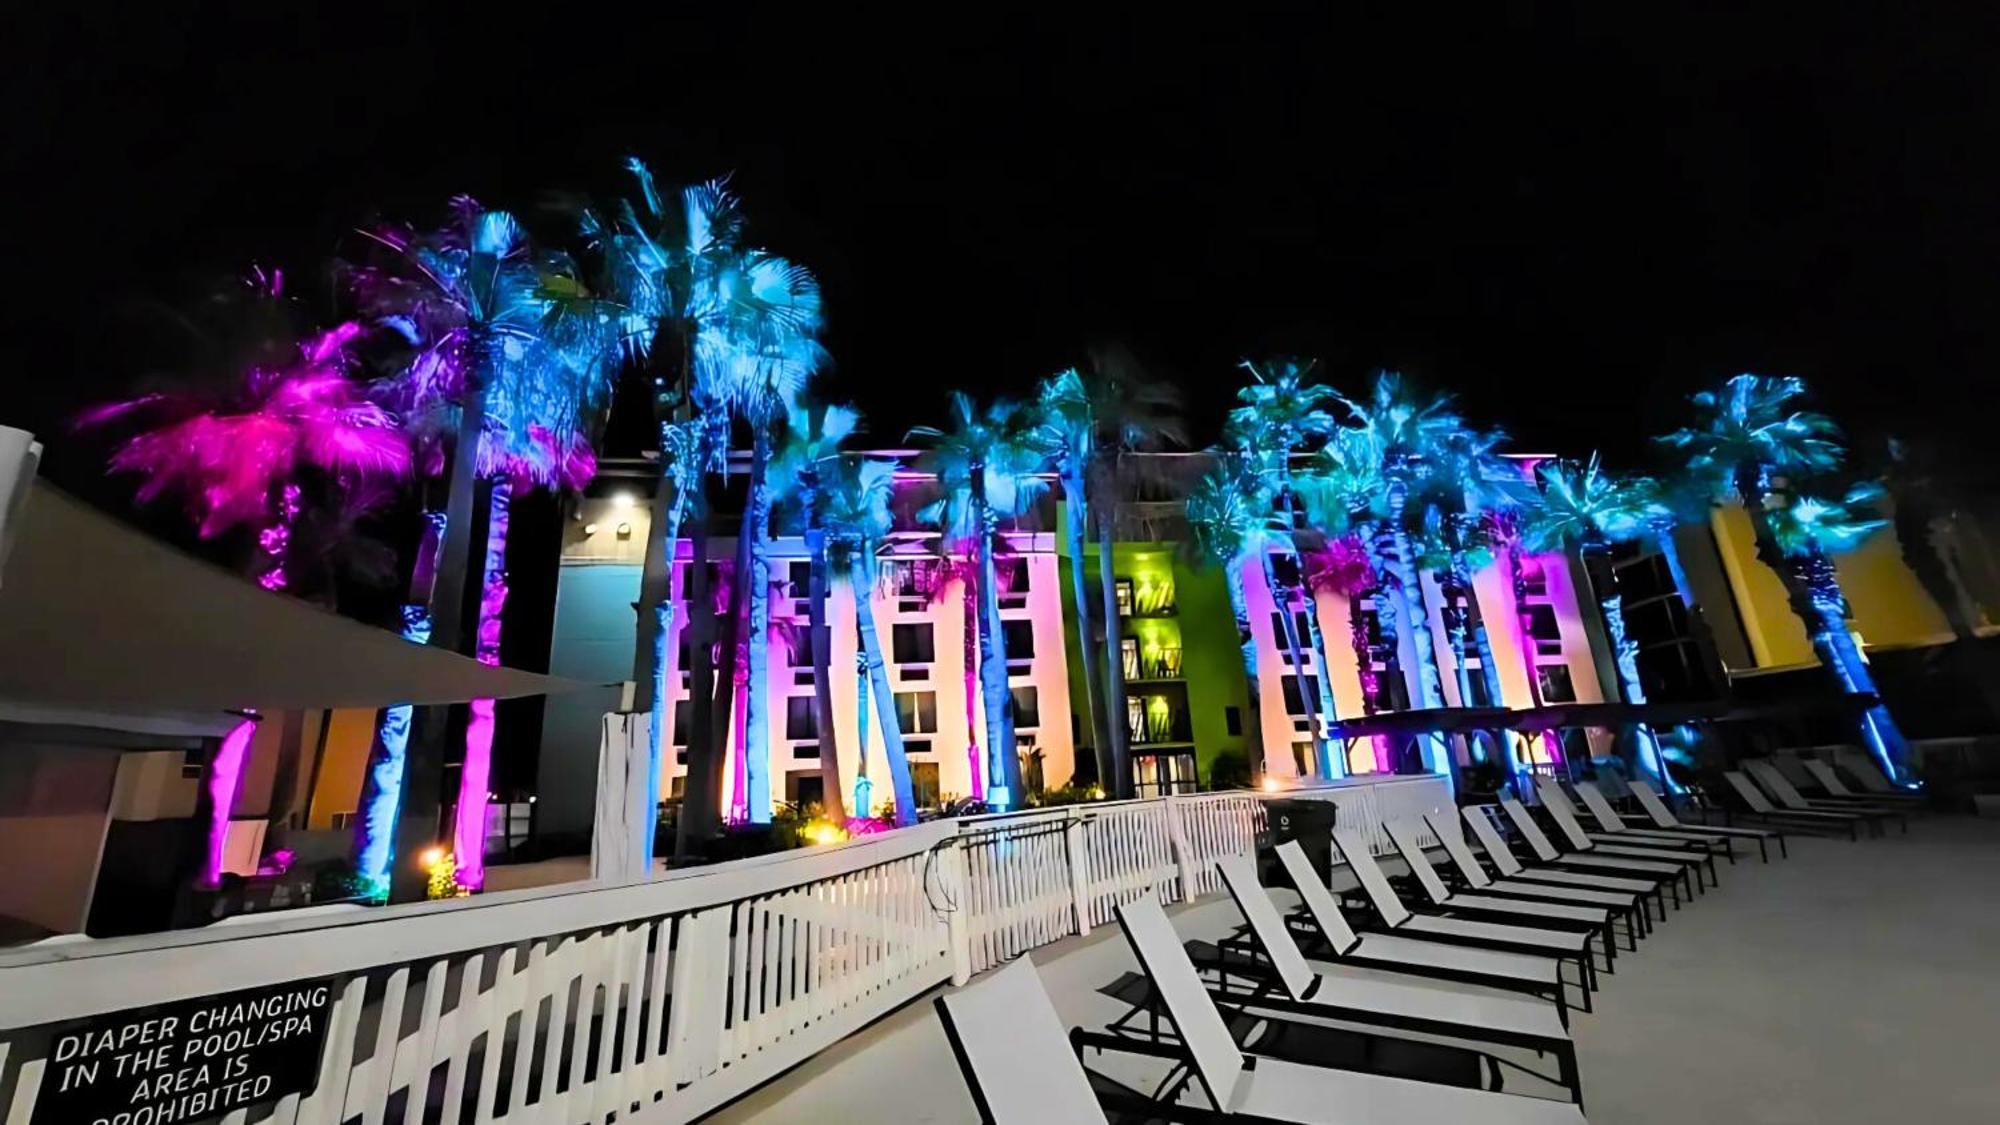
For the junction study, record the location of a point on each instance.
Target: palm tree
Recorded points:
(1808, 530)
(811, 447)
(1587, 510)
(1403, 433)
(988, 464)
(245, 452)
(1457, 489)
(1228, 512)
(1281, 413)
(1747, 441)
(1341, 495)
(853, 497)
(1669, 504)
(1343, 566)
(1090, 421)
(511, 353)
(736, 328)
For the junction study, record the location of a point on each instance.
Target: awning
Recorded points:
(98, 616)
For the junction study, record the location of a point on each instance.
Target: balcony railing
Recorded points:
(1153, 664)
(1153, 726)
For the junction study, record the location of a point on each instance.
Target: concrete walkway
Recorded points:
(1850, 983)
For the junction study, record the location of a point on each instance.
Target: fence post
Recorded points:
(1183, 854)
(1079, 878)
(957, 890)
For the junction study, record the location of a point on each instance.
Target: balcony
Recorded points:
(1150, 720)
(1143, 666)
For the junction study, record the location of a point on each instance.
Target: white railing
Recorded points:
(656, 1000)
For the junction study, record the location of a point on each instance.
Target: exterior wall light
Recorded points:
(624, 531)
(590, 529)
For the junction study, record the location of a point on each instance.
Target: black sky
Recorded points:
(1568, 216)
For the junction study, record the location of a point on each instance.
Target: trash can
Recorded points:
(1308, 822)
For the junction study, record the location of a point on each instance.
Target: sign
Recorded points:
(188, 1061)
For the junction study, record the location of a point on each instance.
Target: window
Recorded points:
(342, 820)
(679, 788)
(1285, 571)
(914, 642)
(801, 719)
(191, 761)
(913, 580)
(1302, 756)
(682, 709)
(916, 712)
(1555, 683)
(1283, 642)
(1013, 574)
(1128, 656)
(1155, 775)
(1027, 707)
(805, 787)
(1298, 691)
(1123, 589)
(924, 783)
(1542, 626)
(1232, 721)
(798, 576)
(1020, 638)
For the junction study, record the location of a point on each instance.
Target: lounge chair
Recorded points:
(1564, 945)
(1788, 796)
(1563, 814)
(1602, 863)
(1293, 985)
(1564, 916)
(1757, 805)
(1870, 775)
(1532, 974)
(1481, 819)
(1627, 905)
(1615, 828)
(1835, 789)
(1691, 853)
(1014, 1052)
(1236, 1087)
(1663, 818)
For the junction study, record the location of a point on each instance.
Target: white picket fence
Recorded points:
(662, 999)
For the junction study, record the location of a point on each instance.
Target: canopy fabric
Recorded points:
(98, 616)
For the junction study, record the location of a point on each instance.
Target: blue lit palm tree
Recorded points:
(510, 360)
(810, 450)
(989, 464)
(1748, 440)
(1229, 514)
(1808, 531)
(1341, 496)
(1403, 432)
(1283, 413)
(853, 498)
(1460, 487)
(1587, 510)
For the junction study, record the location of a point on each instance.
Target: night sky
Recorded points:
(1568, 218)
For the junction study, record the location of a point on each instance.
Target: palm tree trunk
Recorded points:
(864, 802)
(1075, 499)
(1364, 672)
(382, 781)
(662, 636)
(995, 694)
(1331, 763)
(701, 801)
(757, 754)
(730, 673)
(1281, 598)
(975, 758)
(469, 836)
(1814, 576)
(1118, 736)
(862, 574)
(1246, 644)
(1403, 566)
(833, 802)
(1625, 653)
(220, 787)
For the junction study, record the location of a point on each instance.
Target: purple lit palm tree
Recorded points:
(853, 497)
(247, 456)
